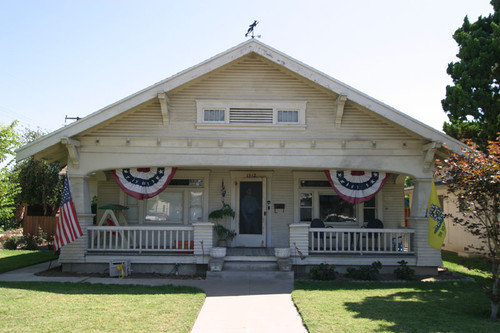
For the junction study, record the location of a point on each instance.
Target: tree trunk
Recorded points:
(494, 311)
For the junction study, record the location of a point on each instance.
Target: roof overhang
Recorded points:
(48, 142)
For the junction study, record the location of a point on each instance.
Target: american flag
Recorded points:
(68, 228)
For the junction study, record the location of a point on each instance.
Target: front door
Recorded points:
(251, 218)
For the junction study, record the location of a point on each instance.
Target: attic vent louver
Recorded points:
(250, 115)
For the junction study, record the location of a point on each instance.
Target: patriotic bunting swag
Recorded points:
(68, 229)
(356, 186)
(143, 183)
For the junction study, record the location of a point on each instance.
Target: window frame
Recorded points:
(227, 105)
(359, 209)
(185, 189)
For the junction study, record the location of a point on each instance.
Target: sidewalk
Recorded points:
(245, 305)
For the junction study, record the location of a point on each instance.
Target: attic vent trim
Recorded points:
(260, 114)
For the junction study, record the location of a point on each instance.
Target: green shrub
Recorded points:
(323, 272)
(365, 272)
(31, 242)
(10, 242)
(404, 272)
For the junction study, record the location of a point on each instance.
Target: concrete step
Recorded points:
(250, 265)
(252, 275)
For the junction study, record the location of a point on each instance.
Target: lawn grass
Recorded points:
(13, 259)
(398, 307)
(75, 307)
(477, 268)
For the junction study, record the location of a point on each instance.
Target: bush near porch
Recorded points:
(338, 306)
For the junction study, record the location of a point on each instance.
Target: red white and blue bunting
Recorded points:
(144, 183)
(356, 186)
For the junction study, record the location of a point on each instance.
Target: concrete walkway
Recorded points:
(244, 305)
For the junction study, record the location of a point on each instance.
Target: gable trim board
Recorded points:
(163, 87)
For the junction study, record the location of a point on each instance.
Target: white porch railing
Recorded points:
(369, 241)
(141, 239)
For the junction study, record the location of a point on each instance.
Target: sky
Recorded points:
(72, 58)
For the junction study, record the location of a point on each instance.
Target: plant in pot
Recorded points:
(224, 235)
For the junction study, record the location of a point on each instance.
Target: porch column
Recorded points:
(75, 251)
(203, 232)
(427, 256)
(299, 237)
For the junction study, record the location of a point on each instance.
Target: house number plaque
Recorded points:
(251, 175)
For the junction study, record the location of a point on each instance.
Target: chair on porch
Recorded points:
(317, 223)
(374, 224)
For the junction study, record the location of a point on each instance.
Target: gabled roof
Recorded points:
(220, 60)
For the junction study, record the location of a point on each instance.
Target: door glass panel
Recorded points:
(250, 208)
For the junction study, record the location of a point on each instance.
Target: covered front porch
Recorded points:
(289, 200)
(191, 245)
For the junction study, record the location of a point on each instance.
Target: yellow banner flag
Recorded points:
(437, 228)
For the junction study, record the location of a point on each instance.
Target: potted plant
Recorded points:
(219, 214)
(224, 235)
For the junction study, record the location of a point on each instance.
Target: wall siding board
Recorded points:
(250, 78)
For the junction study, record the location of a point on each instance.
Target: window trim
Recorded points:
(227, 105)
(180, 174)
(317, 191)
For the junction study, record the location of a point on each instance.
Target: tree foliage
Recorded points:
(474, 178)
(40, 183)
(473, 102)
(9, 141)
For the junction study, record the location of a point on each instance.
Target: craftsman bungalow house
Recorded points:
(249, 121)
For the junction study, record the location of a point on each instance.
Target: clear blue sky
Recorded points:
(69, 57)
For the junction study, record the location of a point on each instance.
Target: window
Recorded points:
(182, 202)
(212, 114)
(333, 209)
(288, 116)
(317, 199)
(306, 207)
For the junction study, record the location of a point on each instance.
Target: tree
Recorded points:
(9, 140)
(472, 104)
(41, 186)
(474, 178)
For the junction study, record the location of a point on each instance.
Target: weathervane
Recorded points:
(250, 29)
(71, 118)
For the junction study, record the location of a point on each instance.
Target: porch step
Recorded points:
(252, 275)
(261, 266)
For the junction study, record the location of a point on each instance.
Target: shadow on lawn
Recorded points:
(70, 288)
(419, 307)
(25, 259)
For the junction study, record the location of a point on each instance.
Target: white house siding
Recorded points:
(282, 193)
(251, 78)
(393, 203)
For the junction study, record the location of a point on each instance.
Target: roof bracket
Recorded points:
(340, 110)
(162, 96)
(71, 145)
(429, 152)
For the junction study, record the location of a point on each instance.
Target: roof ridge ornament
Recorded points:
(251, 28)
